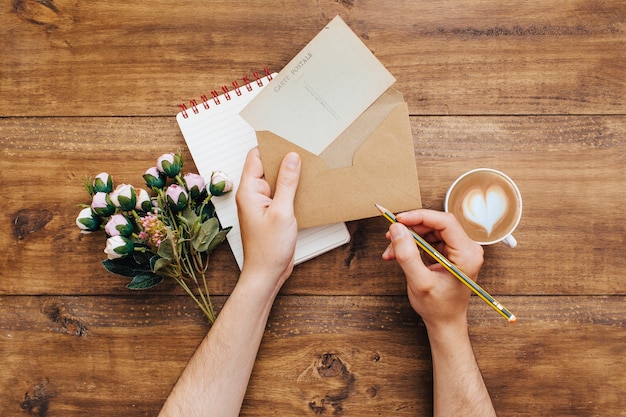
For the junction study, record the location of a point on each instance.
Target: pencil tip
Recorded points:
(380, 208)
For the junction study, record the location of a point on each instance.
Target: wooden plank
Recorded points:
(570, 171)
(467, 57)
(334, 355)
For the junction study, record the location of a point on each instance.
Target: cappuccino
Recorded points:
(486, 203)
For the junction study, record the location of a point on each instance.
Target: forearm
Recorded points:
(215, 379)
(459, 388)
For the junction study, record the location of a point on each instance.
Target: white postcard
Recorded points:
(321, 91)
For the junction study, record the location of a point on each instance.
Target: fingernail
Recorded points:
(292, 160)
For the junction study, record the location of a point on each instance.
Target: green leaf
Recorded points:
(166, 247)
(208, 211)
(219, 238)
(189, 215)
(144, 281)
(153, 261)
(195, 229)
(143, 258)
(206, 234)
(164, 266)
(124, 266)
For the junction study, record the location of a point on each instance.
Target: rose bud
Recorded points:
(195, 185)
(102, 205)
(170, 164)
(220, 183)
(117, 225)
(124, 197)
(144, 202)
(176, 197)
(118, 247)
(155, 178)
(88, 221)
(103, 183)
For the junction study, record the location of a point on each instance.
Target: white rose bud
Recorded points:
(118, 247)
(124, 197)
(220, 183)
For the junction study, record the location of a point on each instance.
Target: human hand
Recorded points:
(438, 297)
(268, 225)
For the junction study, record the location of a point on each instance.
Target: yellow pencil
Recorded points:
(453, 269)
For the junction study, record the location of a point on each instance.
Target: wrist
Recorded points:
(258, 285)
(444, 334)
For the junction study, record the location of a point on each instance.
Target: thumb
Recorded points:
(288, 178)
(405, 250)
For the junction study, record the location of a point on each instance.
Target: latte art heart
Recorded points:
(485, 207)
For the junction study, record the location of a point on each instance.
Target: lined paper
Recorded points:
(219, 139)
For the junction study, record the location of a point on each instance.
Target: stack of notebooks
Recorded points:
(334, 106)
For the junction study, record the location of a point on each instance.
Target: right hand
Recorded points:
(437, 296)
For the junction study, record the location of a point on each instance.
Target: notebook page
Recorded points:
(219, 139)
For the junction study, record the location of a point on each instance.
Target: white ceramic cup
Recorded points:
(483, 198)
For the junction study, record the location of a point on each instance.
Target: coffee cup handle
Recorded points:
(510, 241)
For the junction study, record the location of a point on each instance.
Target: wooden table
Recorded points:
(535, 88)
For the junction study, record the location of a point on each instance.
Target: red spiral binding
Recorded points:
(216, 97)
(236, 88)
(204, 99)
(194, 106)
(246, 81)
(226, 93)
(183, 110)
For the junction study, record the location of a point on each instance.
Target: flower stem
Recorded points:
(206, 287)
(207, 312)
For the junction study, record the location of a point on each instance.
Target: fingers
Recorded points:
(404, 250)
(446, 234)
(252, 168)
(287, 180)
(441, 224)
(252, 191)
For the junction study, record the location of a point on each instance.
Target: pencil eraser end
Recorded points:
(512, 319)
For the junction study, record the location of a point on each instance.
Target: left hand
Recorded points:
(268, 225)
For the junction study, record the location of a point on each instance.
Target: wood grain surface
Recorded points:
(535, 89)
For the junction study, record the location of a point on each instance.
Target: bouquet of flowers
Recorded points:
(167, 232)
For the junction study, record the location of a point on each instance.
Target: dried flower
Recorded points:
(154, 230)
(103, 183)
(165, 235)
(144, 202)
(170, 164)
(88, 221)
(124, 197)
(118, 225)
(220, 183)
(195, 185)
(102, 205)
(155, 178)
(176, 197)
(118, 247)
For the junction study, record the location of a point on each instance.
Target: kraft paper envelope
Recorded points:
(372, 161)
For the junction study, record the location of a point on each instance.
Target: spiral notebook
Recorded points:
(219, 139)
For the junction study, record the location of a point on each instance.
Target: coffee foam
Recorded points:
(486, 204)
(485, 207)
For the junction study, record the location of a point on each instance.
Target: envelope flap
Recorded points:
(340, 153)
(384, 170)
